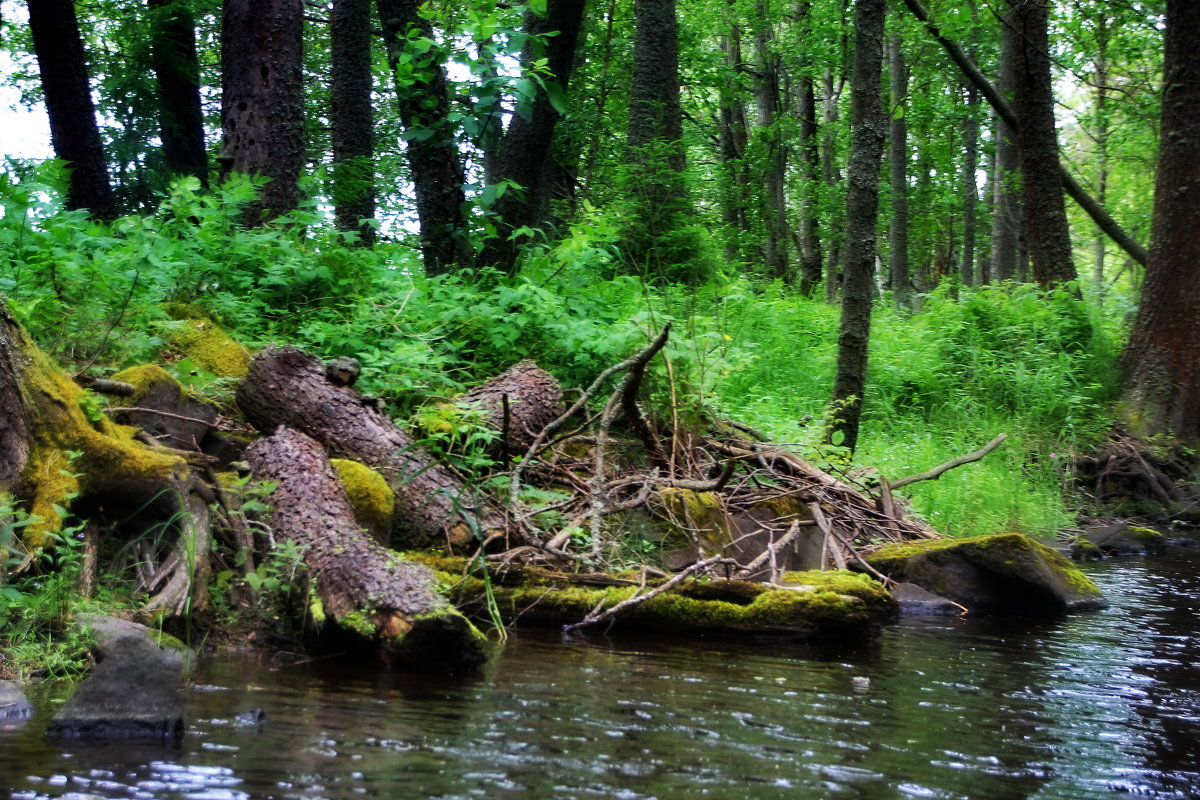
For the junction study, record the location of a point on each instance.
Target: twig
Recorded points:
(839, 559)
(770, 552)
(715, 485)
(637, 599)
(936, 472)
(161, 414)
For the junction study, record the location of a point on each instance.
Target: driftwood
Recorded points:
(367, 589)
(287, 387)
(936, 472)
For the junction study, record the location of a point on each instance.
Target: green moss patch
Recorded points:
(370, 496)
(208, 345)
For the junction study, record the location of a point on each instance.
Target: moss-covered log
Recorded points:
(285, 386)
(364, 588)
(804, 605)
(76, 458)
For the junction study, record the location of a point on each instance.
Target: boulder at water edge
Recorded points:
(136, 690)
(1005, 573)
(13, 705)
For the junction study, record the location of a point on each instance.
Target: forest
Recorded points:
(767, 249)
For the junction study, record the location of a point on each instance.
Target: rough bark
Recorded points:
(352, 117)
(655, 117)
(525, 149)
(969, 187)
(434, 163)
(371, 591)
(433, 508)
(1037, 146)
(518, 403)
(732, 130)
(868, 127)
(73, 130)
(177, 73)
(1162, 362)
(836, 240)
(898, 169)
(262, 99)
(774, 175)
(1006, 180)
(809, 241)
(1100, 79)
(14, 428)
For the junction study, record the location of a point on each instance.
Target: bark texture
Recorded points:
(810, 153)
(177, 72)
(432, 152)
(898, 174)
(14, 428)
(1037, 143)
(352, 117)
(1162, 360)
(262, 99)
(369, 590)
(73, 130)
(525, 150)
(286, 387)
(868, 128)
(518, 403)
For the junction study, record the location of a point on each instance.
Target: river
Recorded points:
(1092, 705)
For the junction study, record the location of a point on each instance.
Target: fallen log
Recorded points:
(517, 404)
(366, 589)
(287, 387)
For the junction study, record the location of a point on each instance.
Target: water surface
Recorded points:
(1093, 705)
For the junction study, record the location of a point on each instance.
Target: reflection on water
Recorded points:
(1083, 707)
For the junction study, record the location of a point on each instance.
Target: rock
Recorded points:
(917, 602)
(134, 692)
(1122, 539)
(1001, 574)
(13, 705)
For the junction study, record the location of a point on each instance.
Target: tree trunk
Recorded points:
(732, 132)
(73, 131)
(433, 508)
(969, 187)
(1162, 360)
(868, 128)
(898, 168)
(809, 241)
(829, 171)
(433, 159)
(262, 99)
(1006, 180)
(370, 591)
(1100, 78)
(525, 149)
(1037, 144)
(774, 175)
(177, 72)
(352, 117)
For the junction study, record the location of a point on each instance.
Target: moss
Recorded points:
(357, 622)
(696, 516)
(143, 379)
(370, 496)
(208, 345)
(73, 451)
(1147, 536)
(316, 609)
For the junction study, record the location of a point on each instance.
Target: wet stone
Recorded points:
(13, 705)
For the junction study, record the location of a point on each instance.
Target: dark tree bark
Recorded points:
(73, 130)
(369, 589)
(352, 117)
(868, 129)
(1006, 180)
(898, 168)
(1100, 79)
(262, 99)
(732, 131)
(433, 159)
(969, 187)
(767, 91)
(433, 508)
(177, 72)
(809, 241)
(831, 91)
(525, 149)
(518, 403)
(14, 428)
(1162, 360)
(1037, 144)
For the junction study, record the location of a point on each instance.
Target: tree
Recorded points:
(1162, 360)
(177, 73)
(1037, 145)
(352, 117)
(898, 169)
(73, 130)
(525, 149)
(262, 99)
(434, 162)
(767, 92)
(868, 129)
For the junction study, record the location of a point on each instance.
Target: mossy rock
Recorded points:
(691, 525)
(1003, 573)
(807, 605)
(1121, 539)
(206, 343)
(187, 420)
(370, 496)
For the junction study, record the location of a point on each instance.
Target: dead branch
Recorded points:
(936, 472)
